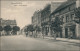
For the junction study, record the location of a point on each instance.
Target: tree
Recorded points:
(30, 28)
(55, 25)
(7, 29)
(1, 29)
(26, 31)
(37, 29)
(77, 14)
(15, 29)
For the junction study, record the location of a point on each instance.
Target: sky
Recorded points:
(22, 11)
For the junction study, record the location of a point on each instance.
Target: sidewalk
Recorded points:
(64, 39)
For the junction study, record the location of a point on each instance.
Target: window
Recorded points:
(62, 18)
(69, 8)
(67, 18)
(72, 17)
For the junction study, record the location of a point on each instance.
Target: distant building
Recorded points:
(22, 31)
(8, 22)
(36, 18)
(4, 23)
(45, 13)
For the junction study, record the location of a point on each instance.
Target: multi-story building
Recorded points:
(39, 18)
(66, 13)
(8, 22)
(42, 18)
(45, 13)
(36, 21)
(36, 18)
(45, 18)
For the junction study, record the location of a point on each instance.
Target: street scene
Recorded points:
(40, 25)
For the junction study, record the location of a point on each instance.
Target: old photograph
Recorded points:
(39, 25)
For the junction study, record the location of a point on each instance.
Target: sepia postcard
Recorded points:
(39, 25)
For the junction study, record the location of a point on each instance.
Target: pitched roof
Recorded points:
(63, 5)
(8, 22)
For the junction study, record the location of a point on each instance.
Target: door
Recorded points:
(66, 32)
(73, 32)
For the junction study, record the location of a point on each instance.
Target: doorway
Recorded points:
(72, 29)
(66, 32)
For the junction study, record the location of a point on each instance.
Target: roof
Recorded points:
(47, 7)
(8, 22)
(63, 5)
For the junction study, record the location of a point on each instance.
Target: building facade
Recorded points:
(4, 23)
(8, 22)
(45, 18)
(66, 13)
(42, 18)
(36, 21)
(36, 18)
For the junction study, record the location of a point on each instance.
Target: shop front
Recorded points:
(70, 31)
